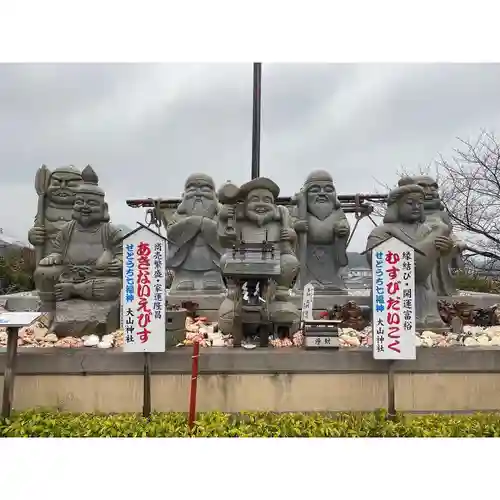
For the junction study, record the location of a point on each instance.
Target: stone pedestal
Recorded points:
(76, 318)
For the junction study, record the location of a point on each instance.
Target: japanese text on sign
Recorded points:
(143, 313)
(393, 301)
(307, 302)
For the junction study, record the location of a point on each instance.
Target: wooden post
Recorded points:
(391, 393)
(10, 371)
(146, 404)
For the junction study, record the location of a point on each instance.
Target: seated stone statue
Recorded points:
(257, 219)
(405, 220)
(323, 232)
(193, 248)
(442, 279)
(86, 258)
(56, 198)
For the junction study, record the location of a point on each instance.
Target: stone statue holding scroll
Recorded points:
(253, 218)
(85, 265)
(405, 220)
(442, 279)
(193, 248)
(56, 194)
(323, 232)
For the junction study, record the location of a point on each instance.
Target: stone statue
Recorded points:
(193, 248)
(323, 232)
(405, 220)
(253, 219)
(56, 194)
(442, 279)
(85, 262)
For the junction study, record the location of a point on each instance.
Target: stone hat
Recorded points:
(197, 177)
(70, 169)
(258, 183)
(90, 182)
(396, 194)
(317, 176)
(415, 179)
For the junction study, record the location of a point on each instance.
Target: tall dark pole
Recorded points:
(257, 78)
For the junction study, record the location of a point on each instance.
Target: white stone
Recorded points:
(51, 337)
(483, 340)
(92, 341)
(470, 342)
(105, 344)
(495, 340)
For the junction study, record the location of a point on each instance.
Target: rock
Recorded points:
(495, 341)
(51, 337)
(105, 344)
(470, 342)
(483, 340)
(76, 318)
(92, 341)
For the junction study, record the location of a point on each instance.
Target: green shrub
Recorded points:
(216, 424)
(16, 271)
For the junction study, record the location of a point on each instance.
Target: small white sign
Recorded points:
(143, 294)
(18, 319)
(307, 302)
(321, 341)
(393, 289)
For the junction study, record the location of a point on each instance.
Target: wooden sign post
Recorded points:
(144, 299)
(393, 307)
(13, 321)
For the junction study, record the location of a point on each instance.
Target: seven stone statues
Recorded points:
(86, 258)
(442, 280)
(194, 250)
(323, 232)
(405, 220)
(255, 220)
(56, 194)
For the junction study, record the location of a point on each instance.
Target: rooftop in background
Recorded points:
(357, 261)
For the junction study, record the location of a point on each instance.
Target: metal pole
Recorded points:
(146, 402)
(257, 78)
(10, 371)
(194, 384)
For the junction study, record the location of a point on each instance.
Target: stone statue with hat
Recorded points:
(405, 220)
(442, 279)
(259, 238)
(323, 232)
(194, 251)
(84, 267)
(56, 194)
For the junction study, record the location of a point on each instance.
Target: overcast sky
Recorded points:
(145, 127)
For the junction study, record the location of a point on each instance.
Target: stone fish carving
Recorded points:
(194, 251)
(323, 232)
(83, 273)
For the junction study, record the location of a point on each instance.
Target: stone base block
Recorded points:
(176, 320)
(76, 318)
(204, 301)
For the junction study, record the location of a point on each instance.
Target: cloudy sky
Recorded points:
(145, 127)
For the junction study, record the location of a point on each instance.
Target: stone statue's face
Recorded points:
(411, 207)
(260, 206)
(62, 187)
(88, 209)
(199, 199)
(431, 191)
(321, 199)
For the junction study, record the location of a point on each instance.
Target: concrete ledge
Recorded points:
(259, 361)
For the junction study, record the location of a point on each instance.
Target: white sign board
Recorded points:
(18, 319)
(321, 341)
(143, 294)
(393, 289)
(307, 302)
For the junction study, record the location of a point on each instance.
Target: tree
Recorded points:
(470, 189)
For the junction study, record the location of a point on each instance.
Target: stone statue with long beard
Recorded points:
(323, 231)
(193, 248)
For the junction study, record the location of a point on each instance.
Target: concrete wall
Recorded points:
(446, 379)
